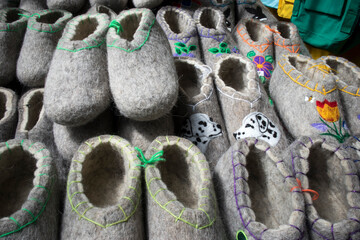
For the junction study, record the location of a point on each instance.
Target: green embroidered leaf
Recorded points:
(228, 50)
(251, 54)
(185, 50)
(263, 79)
(179, 44)
(178, 51)
(192, 48)
(222, 50)
(271, 102)
(214, 50)
(223, 45)
(240, 235)
(269, 59)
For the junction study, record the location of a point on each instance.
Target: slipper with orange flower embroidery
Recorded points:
(254, 193)
(347, 77)
(306, 97)
(327, 176)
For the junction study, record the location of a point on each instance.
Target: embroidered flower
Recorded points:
(263, 65)
(329, 111)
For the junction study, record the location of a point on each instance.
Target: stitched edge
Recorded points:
(52, 28)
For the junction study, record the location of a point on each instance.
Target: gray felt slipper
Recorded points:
(28, 191)
(97, 8)
(12, 31)
(246, 108)
(197, 114)
(113, 5)
(33, 5)
(104, 192)
(228, 9)
(68, 5)
(306, 97)
(215, 39)
(142, 73)
(8, 114)
(255, 9)
(180, 29)
(77, 87)
(347, 77)
(147, 3)
(181, 202)
(254, 193)
(41, 37)
(327, 168)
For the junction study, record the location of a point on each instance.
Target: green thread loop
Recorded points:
(116, 25)
(155, 158)
(35, 14)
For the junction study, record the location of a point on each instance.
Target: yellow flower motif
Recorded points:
(329, 111)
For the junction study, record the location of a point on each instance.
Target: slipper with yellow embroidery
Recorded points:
(305, 94)
(347, 76)
(104, 192)
(253, 185)
(8, 113)
(327, 176)
(181, 202)
(28, 191)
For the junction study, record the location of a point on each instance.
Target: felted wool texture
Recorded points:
(347, 77)
(255, 9)
(77, 87)
(28, 191)
(141, 134)
(306, 97)
(41, 37)
(97, 8)
(181, 201)
(254, 193)
(104, 192)
(180, 29)
(12, 30)
(113, 5)
(240, 94)
(68, 5)
(197, 95)
(327, 168)
(147, 3)
(8, 113)
(142, 75)
(215, 39)
(32, 5)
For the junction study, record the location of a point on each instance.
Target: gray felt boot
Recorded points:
(323, 166)
(68, 5)
(113, 5)
(254, 193)
(306, 97)
(142, 74)
(33, 5)
(181, 202)
(215, 39)
(97, 8)
(243, 99)
(77, 87)
(43, 33)
(180, 30)
(8, 114)
(104, 192)
(255, 9)
(347, 77)
(28, 192)
(197, 114)
(12, 31)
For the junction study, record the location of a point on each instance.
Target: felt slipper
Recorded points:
(8, 114)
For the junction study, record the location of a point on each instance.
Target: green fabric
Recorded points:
(326, 24)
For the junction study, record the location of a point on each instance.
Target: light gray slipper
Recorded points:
(104, 192)
(147, 3)
(215, 39)
(306, 97)
(197, 114)
(255, 9)
(142, 74)
(228, 9)
(327, 168)
(8, 114)
(41, 37)
(68, 5)
(254, 193)
(112, 5)
(33, 5)
(180, 29)
(347, 76)
(97, 8)
(77, 87)
(12, 31)
(246, 108)
(181, 202)
(28, 191)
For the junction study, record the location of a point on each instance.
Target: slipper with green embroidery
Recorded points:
(8, 113)
(215, 39)
(41, 38)
(253, 185)
(104, 192)
(142, 75)
(28, 191)
(180, 29)
(67, 5)
(12, 31)
(181, 202)
(77, 84)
